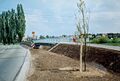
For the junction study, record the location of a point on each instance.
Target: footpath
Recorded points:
(13, 59)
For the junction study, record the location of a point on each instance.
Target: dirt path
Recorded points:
(47, 67)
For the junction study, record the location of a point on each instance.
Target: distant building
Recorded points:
(113, 35)
(109, 35)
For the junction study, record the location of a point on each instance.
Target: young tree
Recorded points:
(82, 27)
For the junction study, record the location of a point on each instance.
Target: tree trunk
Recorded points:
(81, 54)
(85, 51)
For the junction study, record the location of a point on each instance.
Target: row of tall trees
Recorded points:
(12, 25)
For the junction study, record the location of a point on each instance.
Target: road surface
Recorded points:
(11, 60)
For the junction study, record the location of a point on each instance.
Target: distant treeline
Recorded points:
(12, 25)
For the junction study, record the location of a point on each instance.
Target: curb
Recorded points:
(24, 69)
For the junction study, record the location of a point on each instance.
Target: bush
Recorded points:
(116, 40)
(95, 40)
(103, 39)
(100, 40)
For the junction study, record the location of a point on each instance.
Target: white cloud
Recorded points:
(36, 22)
(104, 15)
(103, 5)
(60, 8)
(105, 22)
(56, 15)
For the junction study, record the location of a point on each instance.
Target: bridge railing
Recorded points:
(54, 40)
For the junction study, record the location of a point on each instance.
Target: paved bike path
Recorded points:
(11, 60)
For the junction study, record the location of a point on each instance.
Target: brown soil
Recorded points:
(109, 58)
(45, 47)
(47, 67)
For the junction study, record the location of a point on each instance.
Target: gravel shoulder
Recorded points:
(47, 67)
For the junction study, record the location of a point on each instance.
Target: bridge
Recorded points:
(67, 40)
(51, 41)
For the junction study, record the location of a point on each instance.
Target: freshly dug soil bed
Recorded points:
(46, 65)
(45, 47)
(110, 59)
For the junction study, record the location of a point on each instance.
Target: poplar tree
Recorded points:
(0, 28)
(12, 25)
(7, 27)
(21, 22)
(3, 30)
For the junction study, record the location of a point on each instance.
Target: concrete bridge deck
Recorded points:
(92, 45)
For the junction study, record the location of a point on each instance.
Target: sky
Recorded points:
(57, 17)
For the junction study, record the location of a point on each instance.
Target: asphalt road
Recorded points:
(11, 60)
